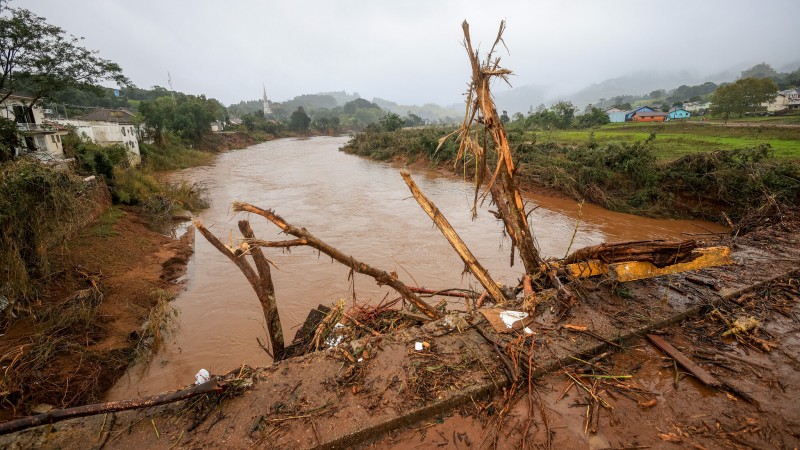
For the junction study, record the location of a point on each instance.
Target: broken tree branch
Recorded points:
(58, 415)
(261, 288)
(481, 109)
(382, 277)
(443, 292)
(271, 304)
(481, 274)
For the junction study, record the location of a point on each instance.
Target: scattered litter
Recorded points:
(336, 336)
(508, 321)
(509, 317)
(202, 376)
(421, 346)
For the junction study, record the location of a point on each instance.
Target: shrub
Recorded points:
(39, 208)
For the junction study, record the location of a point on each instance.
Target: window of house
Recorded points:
(123, 131)
(58, 138)
(53, 137)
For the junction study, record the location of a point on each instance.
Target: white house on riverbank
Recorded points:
(36, 135)
(108, 127)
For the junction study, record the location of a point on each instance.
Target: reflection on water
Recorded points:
(362, 208)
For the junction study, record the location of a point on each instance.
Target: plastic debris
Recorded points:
(509, 317)
(202, 376)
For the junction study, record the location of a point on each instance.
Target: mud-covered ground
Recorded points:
(638, 397)
(652, 402)
(458, 392)
(88, 325)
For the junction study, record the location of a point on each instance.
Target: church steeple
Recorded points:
(267, 109)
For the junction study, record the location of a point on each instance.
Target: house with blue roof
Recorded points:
(629, 115)
(679, 114)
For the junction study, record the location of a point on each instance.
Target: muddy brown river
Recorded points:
(361, 207)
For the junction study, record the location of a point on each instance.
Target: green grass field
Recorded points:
(677, 139)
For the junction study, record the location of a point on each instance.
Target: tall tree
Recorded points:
(727, 100)
(37, 58)
(564, 112)
(736, 97)
(299, 121)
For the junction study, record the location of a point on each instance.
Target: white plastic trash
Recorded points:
(509, 317)
(418, 346)
(202, 376)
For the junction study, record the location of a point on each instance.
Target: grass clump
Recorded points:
(161, 323)
(158, 199)
(39, 208)
(104, 226)
(172, 154)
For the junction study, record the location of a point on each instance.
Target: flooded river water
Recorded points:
(362, 208)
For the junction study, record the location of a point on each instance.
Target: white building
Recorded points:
(37, 136)
(108, 127)
(696, 106)
(788, 99)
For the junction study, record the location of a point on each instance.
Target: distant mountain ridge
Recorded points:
(522, 98)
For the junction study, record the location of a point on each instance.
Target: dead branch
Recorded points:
(481, 109)
(58, 415)
(481, 274)
(271, 305)
(382, 277)
(262, 288)
(443, 292)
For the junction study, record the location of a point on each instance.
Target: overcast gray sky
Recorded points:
(410, 51)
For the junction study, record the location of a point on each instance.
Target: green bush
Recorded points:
(39, 208)
(625, 177)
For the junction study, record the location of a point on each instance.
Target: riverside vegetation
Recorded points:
(623, 172)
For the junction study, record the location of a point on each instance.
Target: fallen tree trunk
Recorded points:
(660, 253)
(58, 415)
(481, 274)
(307, 239)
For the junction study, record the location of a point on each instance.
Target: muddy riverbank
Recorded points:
(596, 383)
(362, 208)
(91, 321)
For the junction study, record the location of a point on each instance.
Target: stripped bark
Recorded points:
(263, 288)
(307, 239)
(481, 274)
(506, 195)
(58, 415)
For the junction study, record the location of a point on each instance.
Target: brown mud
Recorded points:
(124, 268)
(379, 392)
